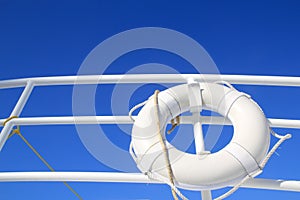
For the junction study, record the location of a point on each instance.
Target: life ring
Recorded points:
(241, 157)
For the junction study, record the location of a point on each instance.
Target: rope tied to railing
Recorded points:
(8, 119)
(17, 131)
(175, 122)
(261, 165)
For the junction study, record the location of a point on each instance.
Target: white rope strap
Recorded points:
(158, 177)
(275, 147)
(262, 164)
(136, 107)
(235, 188)
(225, 83)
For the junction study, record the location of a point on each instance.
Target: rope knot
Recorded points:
(175, 122)
(8, 119)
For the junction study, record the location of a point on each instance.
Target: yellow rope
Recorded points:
(169, 168)
(18, 132)
(174, 124)
(8, 119)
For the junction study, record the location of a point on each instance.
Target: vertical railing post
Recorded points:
(16, 112)
(195, 99)
(198, 133)
(200, 147)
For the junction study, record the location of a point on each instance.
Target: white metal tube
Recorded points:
(284, 123)
(99, 120)
(16, 112)
(4, 133)
(269, 184)
(153, 78)
(279, 123)
(71, 120)
(23, 99)
(195, 100)
(128, 178)
(198, 133)
(75, 177)
(206, 195)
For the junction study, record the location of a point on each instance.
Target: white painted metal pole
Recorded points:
(23, 99)
(195, 101)
(269, 184)
(153, 78)
(200, 146)
(75, 177)
(279, 123)
(4, 133)
(206, 195)
(198, 133)
(284, 185)
(16, 112)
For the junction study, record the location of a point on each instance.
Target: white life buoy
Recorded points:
(241, 157)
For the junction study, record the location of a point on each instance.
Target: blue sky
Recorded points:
(48, 38)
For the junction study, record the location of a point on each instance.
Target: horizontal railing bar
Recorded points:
(75, 177)
(118, 177)
(279, 123)
(99, 120)
(152, 78)
(269, 184)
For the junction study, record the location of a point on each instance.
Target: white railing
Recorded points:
(30, 83)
